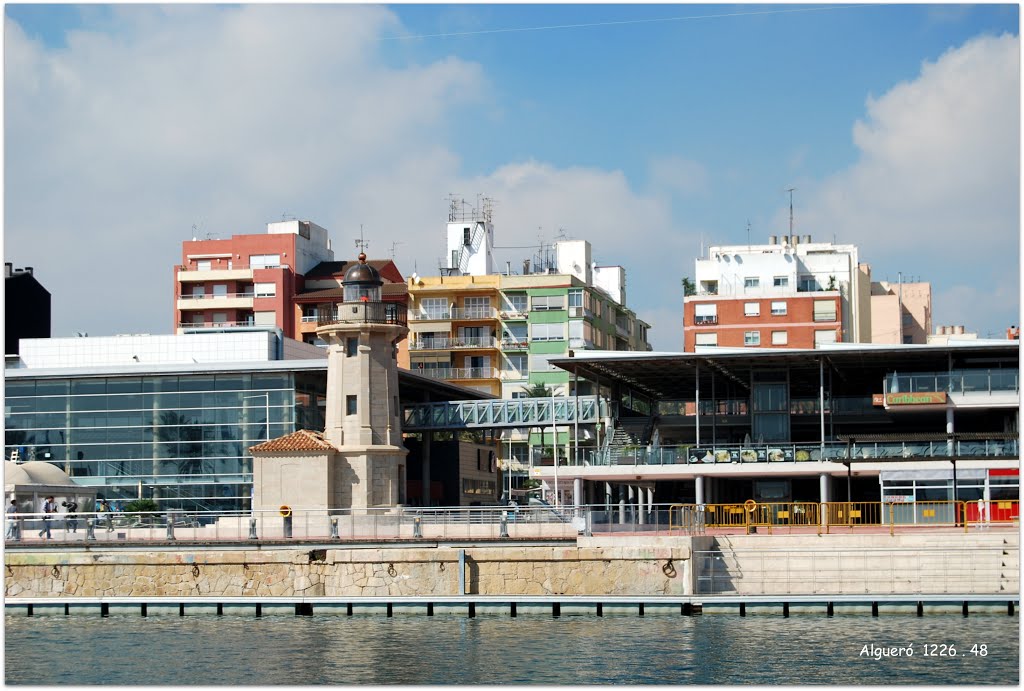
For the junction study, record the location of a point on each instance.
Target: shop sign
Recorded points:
(916, 398)
(898, 499)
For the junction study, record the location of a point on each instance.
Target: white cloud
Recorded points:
(679, 175)
(228, 117)
(936, 189)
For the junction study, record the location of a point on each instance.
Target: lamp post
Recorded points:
(252, 488)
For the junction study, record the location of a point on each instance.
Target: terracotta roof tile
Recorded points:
(303, 440)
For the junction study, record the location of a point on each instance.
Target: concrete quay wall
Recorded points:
(352, 572)
(933, 563)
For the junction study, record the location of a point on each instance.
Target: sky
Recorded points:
(652, 131)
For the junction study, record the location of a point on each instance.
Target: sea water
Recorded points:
(496, 650)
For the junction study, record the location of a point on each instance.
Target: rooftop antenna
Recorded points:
(361, 243)
(195, 230)
(790, 190)
(393, 246)
(748, 233)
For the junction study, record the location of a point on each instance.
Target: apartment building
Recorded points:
(282, 279)
(496, 332)
(789, 293)
(246, 280)
(901, 312)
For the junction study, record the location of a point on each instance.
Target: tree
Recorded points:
(688, 287)
(141, 505)
(538, 390)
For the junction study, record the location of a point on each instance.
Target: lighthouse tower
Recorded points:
(362, 419)
(358, 461)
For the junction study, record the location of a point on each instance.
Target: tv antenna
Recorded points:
(361, 243)
(790, 190)
(393, 246)
(748, 233)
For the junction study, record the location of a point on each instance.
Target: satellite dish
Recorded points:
(579, 524)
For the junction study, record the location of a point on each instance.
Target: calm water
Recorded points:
(412, 650)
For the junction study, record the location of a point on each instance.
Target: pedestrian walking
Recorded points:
(70, 515)
(12, 521)
(49, 508)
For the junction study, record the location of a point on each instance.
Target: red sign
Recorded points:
(916, 398)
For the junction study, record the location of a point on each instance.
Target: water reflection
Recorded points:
(495, 650)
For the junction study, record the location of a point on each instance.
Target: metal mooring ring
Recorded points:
(669, 569)
(55, 571)
(391, 570)
(195, 570)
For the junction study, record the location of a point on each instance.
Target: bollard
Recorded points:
(287, 526)
(417, 526)
(334, 528)
(504, 524)
(90, 529)
(170, 528)
(252, 529)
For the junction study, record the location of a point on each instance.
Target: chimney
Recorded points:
(1013, 333)
(958, 329)
(526, 267)
(28, 270)
(807, 239)
(8, 269)
(773, 239)
(794, 239)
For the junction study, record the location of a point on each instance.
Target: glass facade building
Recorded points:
(180, 438)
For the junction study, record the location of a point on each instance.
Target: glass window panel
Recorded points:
(19, 388)
(124, 385)
(89, 386)
(203, 382)
(52, 387)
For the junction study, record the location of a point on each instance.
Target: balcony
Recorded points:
(520, 343)
(371, 312)
(214, 301)
(454, 343)
(706, 320)
(513, 314)
(471, 313)
(238, 324)
(458, 373)
(196, 276)
(431, 315)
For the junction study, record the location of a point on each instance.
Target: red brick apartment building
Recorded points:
(284, 279)
(762, 322)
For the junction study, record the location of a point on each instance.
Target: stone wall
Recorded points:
(570, 570)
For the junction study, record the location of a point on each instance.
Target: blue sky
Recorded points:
(651, 130)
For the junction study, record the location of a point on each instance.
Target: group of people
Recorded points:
(48, 509)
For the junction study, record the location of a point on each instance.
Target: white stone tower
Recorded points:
(362, 420)
(359, 460)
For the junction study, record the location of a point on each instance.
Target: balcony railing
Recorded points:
(372, 312)
(454, 343)
(217, 325)
(431, 315)
(474, 313)
(963, 381)
(458, 372)
(705, 320)
(219, 296)
(521, 343)
(513, 313)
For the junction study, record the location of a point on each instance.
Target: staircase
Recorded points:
(474, 246)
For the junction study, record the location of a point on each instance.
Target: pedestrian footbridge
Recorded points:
(503, 413)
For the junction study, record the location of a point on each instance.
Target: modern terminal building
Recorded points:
(899, 423)
(173, 417)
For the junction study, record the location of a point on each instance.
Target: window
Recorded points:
(780, 281)
(824, 310)
(265, 290)
(808, 284)
(780, 338)
(710, 339)
(575, 298)
(220, 317)
(547, 332)
(549, 302)
(751, 283)
(350, 405)
(434, 308)
(576, 329)
(467, 237)
(198, 291)
(220, 290)
(540, 363)
(264, 261)
(203, 265)
(514, 334)
(706, 313)
(518, 366)
(778, 307)
(351, 347)
(265, 318)
(476, 307)
(516, 303)
(751, 309)
(824, 337)
(751, 338)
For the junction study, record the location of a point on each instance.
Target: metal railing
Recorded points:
(454, 343)
(960, 381)
(217, 325)
(366, 312)
(458, 372)
(216, 296)
(474, 313)
(533, 521)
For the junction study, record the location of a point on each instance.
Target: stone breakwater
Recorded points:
(352, 572)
